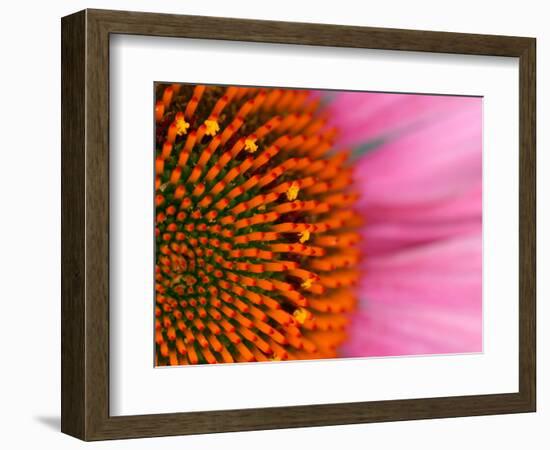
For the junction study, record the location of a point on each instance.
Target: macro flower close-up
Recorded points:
(419, 170)
(297, 224)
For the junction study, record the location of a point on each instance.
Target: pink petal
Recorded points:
(421, 194)
(363, 116)
(423, 300)
(392, 227)
(439, 160)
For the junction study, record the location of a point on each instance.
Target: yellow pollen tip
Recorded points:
(212, 127)
(181, 127)
(250, 145)
(307, 283)
(300, 315)
(304, 236)
(292, 192)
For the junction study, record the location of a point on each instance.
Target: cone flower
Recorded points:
(256, 235)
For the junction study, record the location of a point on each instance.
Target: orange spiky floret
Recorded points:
(255, 231)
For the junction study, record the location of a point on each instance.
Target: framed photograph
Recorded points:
(270, 224)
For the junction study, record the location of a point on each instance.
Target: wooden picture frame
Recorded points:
(85, 224)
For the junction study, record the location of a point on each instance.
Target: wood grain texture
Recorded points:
(527, 223)
(73, 111)
(85, 224)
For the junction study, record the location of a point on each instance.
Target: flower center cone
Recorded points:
(256, 237)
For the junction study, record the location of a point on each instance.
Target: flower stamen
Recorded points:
(212, 127)
(250, 145)
(292, 191)
(300, 315)
(181, 126)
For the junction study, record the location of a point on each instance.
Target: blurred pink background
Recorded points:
(419, 171)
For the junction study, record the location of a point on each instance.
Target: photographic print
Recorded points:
(296, 224)
(361, 243)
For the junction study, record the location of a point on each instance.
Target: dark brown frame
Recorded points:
(85, 224)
